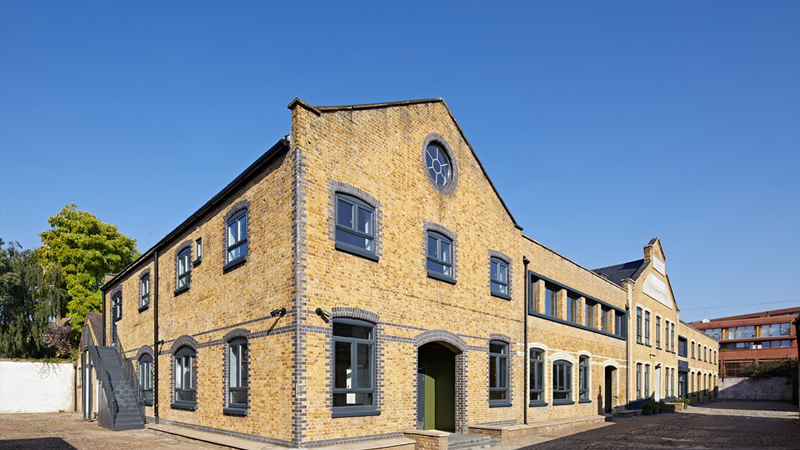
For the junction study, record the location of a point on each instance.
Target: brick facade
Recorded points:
(372, 153)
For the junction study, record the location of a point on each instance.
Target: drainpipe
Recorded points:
(155, 334)
(526, 301)
(628, 285)
(103, 308)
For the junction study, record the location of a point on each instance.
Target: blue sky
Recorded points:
(602, 124)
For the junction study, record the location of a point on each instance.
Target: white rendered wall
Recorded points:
(32, 387)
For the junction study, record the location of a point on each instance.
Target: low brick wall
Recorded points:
(774, 389)
(428, 439)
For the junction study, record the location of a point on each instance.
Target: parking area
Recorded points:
(724, 425)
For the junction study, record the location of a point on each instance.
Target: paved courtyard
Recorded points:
(724, 425)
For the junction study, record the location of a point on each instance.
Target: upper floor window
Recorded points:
(716, 333)
(144, 291)
(682, 344)
(184, 269)
(498, 372)
(537, 376)
(589, 316)
(238, 385)
(440, 256)
(647, 327)
(237, 238)
(116, 305)
(438, 164)
(146, 377)
(583, 378)
(499, 277)
(572, 308)
(354, 367)
(692, 347)
(186, 377)
(742, 332)
(551, 301)
(672, 338)
(658, 332)
(199, 248)
(776, 329)
(605, 319)
(562, 382)
(355, 226)
(639, 325)
(621, 325)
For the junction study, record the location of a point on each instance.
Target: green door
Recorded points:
(437, 394)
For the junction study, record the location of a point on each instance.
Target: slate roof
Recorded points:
(620, 272)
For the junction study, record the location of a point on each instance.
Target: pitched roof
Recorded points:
(322, 109)
(622, 271)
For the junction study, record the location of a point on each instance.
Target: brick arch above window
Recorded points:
(145, 350)
(237, 333)
(184, 341)
(500, 337)
(355, 313)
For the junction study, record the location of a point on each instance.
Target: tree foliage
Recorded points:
(31, 298)
(86, 249)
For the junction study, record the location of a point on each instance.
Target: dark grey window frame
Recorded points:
(562, 382)
(144, 294)
(499, 361)
(647, 328)
(147, 360)
(584, 374)
(242, 241)
(639, 313)
(551, 300)
(438, 259)
(359, 410)
(435, 138)
(198, 245)
(658, 332)
(621, 324)
(646, 380)
(638, 381)
(186, 351)
(493, 279)
(572, 308)
(347, 247)
(237, 408)
(537, 377)
(116, 305)
(184, 254)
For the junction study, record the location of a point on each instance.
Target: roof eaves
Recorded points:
(237, 182)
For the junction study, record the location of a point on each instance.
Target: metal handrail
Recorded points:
(128, 371)
(94, 354)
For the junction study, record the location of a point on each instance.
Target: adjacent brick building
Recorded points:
(748, 340)
(364, 277)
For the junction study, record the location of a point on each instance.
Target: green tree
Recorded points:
(31, 299)
(86, 249)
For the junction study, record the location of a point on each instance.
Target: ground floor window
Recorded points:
(498, 372)
(186, 376)
(537, 376)
(237, 373)
(562, 382)
(146, 378)
(354, 367)
(647, 380)
(583, 378)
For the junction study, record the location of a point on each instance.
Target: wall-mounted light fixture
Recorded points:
(326, 316)
(278, 312)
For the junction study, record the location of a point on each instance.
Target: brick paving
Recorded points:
(68, 432)
(724, 425)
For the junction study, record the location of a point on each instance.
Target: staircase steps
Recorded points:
(470, 441)
(129, 416)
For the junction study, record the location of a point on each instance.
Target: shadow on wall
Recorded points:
(36, 444)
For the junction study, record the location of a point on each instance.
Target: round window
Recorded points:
(438, 164)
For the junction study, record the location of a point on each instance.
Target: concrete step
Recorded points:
(469, 441)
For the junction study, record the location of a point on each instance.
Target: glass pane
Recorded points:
(363, 399)
(501, 272)
(231, 234)
(239, 396)
(502, 372)
(187, 372)
(433, 251)
(187, 396)
(364, 221)
(178, 371)
(345, 329)
(242, 227)
(560, 396)
(445, 256)
(438, 268)
(234, 366)
(343, 377)
(344, 214)
(244, 370)
(493, 270)
(363, 366)
(148, 395)
(497, 395)
(497, 287)
(349, 238)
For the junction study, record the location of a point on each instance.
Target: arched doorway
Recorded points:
(657, 396)
(610, 389)
(436, 387)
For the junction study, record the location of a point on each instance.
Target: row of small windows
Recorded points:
(553, 308)
(643, 327)
(704, 353)
(185, 377)
(562, 379)
(643, 382)
(750, 331)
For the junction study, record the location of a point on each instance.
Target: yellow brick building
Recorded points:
(362, 278)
